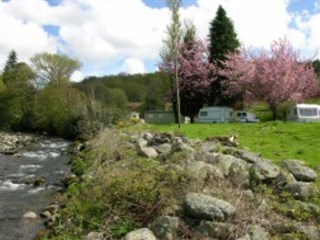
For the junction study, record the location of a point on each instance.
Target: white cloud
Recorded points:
(132, 66)
(104, 32)
(25, 37)
(77, 76)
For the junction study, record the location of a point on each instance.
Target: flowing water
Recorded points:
(47, 159)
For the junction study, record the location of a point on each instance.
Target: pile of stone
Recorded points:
(10, 143)
(215, 217)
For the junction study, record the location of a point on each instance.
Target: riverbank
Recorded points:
(32, 169)
(10, 143)
(164, 186)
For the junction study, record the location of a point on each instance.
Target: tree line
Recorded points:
(219, 72)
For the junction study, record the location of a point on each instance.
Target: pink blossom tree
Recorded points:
(273, 76)
(195, 75)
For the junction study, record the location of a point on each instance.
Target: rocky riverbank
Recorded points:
(162, 186)
(10, 143)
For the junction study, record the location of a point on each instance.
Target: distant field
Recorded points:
(274, 140)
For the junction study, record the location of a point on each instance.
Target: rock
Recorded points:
(53, 208)
(164, 149)
(200, 170)
(30, 215)
(216, 230)
(95, 236)
(45, 214)
(38, 181)
(248, 156)
(312, 232)
(142, 143)
(302, 190)
(140, 234)
(297, 209)
(283, 179)
(263, 171)
(300, 171)
(239, 174)
(148, 152)
(248, 194)
(165, 228)
(208, 147)
(205, 207)
(256, 233)
(147, 136)
(69, 179)
(178, 145)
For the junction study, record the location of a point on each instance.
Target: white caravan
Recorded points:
(215, 115)
(246, 117)
(304, 113)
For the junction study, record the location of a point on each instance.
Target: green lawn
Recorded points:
(274, 140)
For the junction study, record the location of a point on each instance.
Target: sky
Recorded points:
(113, 36)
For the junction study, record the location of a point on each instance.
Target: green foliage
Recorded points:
(119, 194)
(54, 68)
(2, 86)
(223, 38)
(9, 72)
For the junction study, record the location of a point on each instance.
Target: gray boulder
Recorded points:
(302, 190)
(140, 234)
(256, 233)
(200, 206)
(164, 148)
(248, 156)
(165, 228)
(263, 171)
(200, 170)
(216, 230)
(300, 171)
(312, 232)
(239, 174)
(208, 147)
(148, 152)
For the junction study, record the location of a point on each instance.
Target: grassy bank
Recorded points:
(274, 140)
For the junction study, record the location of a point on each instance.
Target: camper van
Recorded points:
(246, 117)
(304, 113)
(215, 115)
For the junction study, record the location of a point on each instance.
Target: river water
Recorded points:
(47, 159)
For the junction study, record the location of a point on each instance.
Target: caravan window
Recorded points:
(204, 114)
(308, 112)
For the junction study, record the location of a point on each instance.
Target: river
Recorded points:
(48, 159)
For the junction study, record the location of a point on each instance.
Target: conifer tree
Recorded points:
(9, 72)
(223, 40)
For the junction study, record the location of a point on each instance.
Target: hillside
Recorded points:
(143, 185)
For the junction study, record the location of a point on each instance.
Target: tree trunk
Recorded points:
(274, 113)
(191, 119)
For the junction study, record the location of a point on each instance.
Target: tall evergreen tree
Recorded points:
(223, 40)
(9, 72)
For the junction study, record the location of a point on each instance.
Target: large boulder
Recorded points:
(199, 170)
(164, 148)
(148, 152)
(256, 233)
(302, 190)
(216, 230)
(201, 206)
(263, 171)
(239, 174)
(165, 228)
(300, 171)
(140, 234)
(248, 156)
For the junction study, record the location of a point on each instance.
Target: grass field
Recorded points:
(274, 140)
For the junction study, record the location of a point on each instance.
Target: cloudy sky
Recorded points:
(112, 36)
